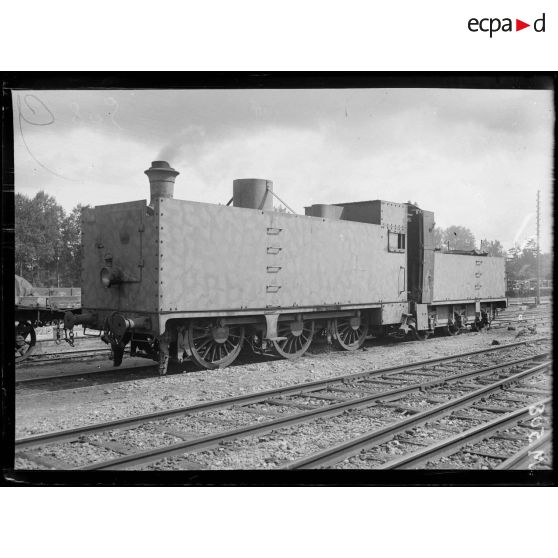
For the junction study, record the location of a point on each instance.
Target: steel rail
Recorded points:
(523, 321)
(73, 375)
(385, 370)
(522, 457)
(37, 358)
(455, 443)
(517, 319)
(213, 440)
(73, 433)
(354, 446)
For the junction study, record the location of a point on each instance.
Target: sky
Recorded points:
(474, 157)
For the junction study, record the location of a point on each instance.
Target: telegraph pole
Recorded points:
(538, 292)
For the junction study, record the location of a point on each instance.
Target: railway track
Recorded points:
(523, 317)
(147, 369)
(467, 440)
(545, 301)
(499, 323)
(538, 454)
(341, 452)
(42, 358)
(286, 406)
(57, 381)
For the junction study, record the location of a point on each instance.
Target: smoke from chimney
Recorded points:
(188, 140)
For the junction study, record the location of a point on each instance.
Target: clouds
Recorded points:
(81, 165)
(474, 157)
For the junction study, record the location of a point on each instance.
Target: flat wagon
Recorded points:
(38, 306)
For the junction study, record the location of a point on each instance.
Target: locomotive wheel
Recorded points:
(298, 336)
(25, 341)
(350, 333)
(214, 347)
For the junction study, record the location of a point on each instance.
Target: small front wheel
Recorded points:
(25, 340)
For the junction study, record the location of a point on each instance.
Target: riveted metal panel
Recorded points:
(378, 212)
(219, 258)
(392, 313)
(212, 257)
(464, 277)
(394, 216)
(127, 234)
(324, 210)
(363, 212)
(422, 316)
(428, 256)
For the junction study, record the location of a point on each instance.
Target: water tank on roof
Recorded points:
(253, 193)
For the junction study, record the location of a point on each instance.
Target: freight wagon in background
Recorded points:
(528, 287)
(182, 279)
(40, 306)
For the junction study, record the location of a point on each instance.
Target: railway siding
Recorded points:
(300, 399)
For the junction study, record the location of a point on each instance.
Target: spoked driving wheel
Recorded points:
(349, 333)
(297, 338)
(213, 346)
(25, 340)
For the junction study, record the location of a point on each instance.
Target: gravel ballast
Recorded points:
(44, 411)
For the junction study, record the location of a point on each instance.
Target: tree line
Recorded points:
(47, 241)
(48, 244)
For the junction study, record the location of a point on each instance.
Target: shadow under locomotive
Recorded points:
(187, 280)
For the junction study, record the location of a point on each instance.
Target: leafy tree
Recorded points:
(521, 263)
(438, 236)
(71, 242)
(514, 252)
(25, 241)
(458, 238)
(47, 241)
(493, 247)
(38, 237)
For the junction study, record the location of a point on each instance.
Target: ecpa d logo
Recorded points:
(494, 24)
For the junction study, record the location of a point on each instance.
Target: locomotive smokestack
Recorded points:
(161, 180)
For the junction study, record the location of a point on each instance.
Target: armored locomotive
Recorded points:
(181, 279)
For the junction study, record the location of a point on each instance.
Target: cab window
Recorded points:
(396, 242)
